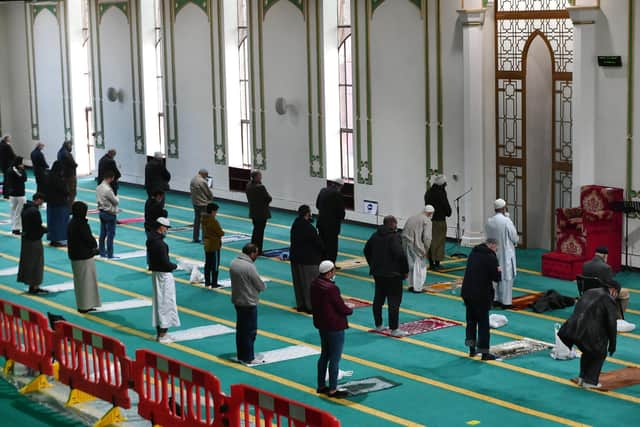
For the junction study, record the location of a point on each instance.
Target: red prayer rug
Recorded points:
(130, 220)
(356, 303)
(420, 326)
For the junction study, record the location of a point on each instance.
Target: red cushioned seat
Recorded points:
(562, 266)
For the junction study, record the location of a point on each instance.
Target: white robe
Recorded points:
(416, 239)
(501, 228)
(165, 309)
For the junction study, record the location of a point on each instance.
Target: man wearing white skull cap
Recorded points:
(501, 228)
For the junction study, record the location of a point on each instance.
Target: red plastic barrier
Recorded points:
(173, 393)
(25, 337)
(253, 407)
(93, 363)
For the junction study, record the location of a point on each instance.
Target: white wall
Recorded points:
(193, 96)
(115, 54)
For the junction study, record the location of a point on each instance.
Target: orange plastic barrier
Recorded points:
(93, 363)
(172, 393)
(253, 407)
(25, 337)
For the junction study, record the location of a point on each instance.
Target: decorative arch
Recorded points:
(180, 4)
(376, 3)
(515, 30)
(121, 6)
(299, 4)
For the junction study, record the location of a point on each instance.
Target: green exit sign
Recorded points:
(610, 61)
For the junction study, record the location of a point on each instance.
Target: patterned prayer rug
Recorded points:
(235, 237)
(517, 348)
(130, 220)
(367, 385)
(524, 301)
(420, 326)
(443, 286)
(276, 253)
(352, 263)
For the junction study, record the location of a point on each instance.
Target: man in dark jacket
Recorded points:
(436, 196)
(330, 205)
(259, 200)
(108, 163)
(305, 254)
(165, 309)
(599, 268)
(153, 209)
(7, 155)
(592, 327)
(31, 266)
(477, 292)
(156, 175)
(40, 167)
(330, 318)
(389, 267)
(69, 166)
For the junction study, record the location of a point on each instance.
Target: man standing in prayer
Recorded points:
(259, 212)
(15, 178)
(599, 268)
(154, 209)
(330, 318)
(69, 167)
(246, 286)
(500, 228)
(416, 240)
(331, 213)
(108, 163)
(57, 194)
(212, 235)
(31, 266)
(592, 327)
(165, 309)
(7, 155)
(201, 196)
(108, 207)
(40, 167)
(156, 175)
(305, 254)
(477, 293)
(436, 196)
(388, 266)
(82, 248)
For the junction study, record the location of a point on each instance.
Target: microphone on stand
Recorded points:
(458, 226)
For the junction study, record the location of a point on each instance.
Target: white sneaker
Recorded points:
(259, 357)
(379, 328)
(399, 333)
(589, 385)
(166, 339)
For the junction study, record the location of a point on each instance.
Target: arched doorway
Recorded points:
(517, 25)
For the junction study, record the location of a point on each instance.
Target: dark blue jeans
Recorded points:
(108, 232)
(211, 267)
(246, 331)
(331, 343)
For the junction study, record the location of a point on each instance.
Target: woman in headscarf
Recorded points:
(82, 249)
(57, 194)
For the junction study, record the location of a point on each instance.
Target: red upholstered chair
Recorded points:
(602, 225)
(565, 262)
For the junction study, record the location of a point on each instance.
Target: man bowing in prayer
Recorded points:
(416, 240)
(501, 228)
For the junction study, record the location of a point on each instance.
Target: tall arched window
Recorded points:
(243, 54)
(345, 84)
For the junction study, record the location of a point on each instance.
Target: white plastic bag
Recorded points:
(561, 351)
(196, 276)
(624, 326)
(497, 320)
(341, 374)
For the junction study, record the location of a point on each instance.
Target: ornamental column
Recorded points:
(472, 205)
(584, 97)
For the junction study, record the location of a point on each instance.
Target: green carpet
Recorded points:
(439, 385)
